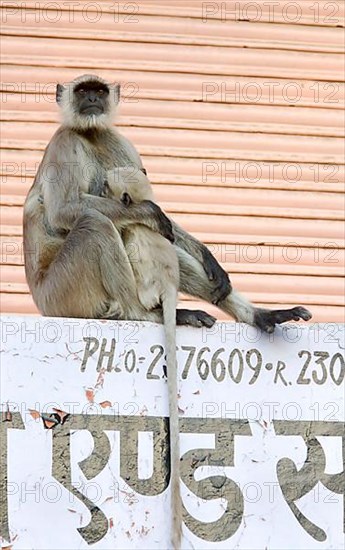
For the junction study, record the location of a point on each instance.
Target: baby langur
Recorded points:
(156, 271)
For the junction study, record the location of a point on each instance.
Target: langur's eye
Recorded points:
(81, 91)
(100, 92)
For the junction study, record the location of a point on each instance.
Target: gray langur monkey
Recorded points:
(156, 272)
(64, 224)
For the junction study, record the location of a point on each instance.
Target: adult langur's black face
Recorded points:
(91, 98)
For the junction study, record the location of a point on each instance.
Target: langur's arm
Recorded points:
(61, 177)
(214, 271)
(65, 212)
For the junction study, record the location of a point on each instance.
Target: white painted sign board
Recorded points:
(84, 440)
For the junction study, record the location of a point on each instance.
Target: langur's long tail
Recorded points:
(169, 301)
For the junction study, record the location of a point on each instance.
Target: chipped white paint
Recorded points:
(51, 364)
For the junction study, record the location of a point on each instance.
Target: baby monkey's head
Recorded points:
(127, 184)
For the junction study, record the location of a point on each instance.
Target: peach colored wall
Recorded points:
(237, 109)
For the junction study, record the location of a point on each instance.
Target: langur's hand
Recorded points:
(215, 273)
(162, 223)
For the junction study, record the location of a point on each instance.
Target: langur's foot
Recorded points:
(266, 319)
(194, 318)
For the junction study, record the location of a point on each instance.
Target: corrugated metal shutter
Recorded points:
(237, 110)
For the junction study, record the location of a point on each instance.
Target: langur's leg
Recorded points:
(194, 281)
(91, 276)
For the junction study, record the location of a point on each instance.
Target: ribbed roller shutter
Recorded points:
(237, 110)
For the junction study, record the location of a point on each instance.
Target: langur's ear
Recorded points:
(117, 93)
(126, 199)
(59, 91)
